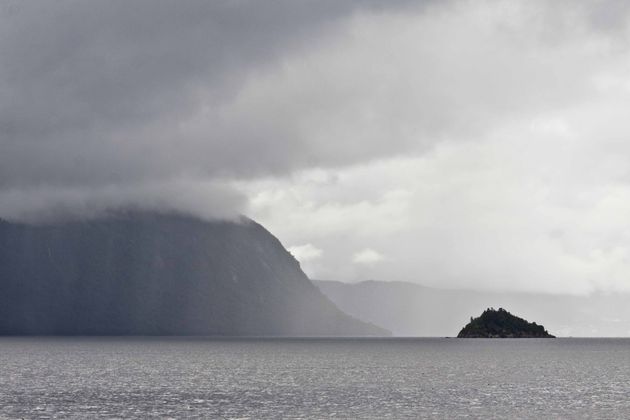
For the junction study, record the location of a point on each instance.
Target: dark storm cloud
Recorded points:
(93, 92)
(97, 97)
(129, 102)
(91, 96)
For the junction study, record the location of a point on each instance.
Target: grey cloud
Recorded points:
(98, 94)
(81, 80)
(87, 87)
(207, 199)
(129, 96)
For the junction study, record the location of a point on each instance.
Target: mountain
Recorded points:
(159, 274)
(502, 324)
(409, 309)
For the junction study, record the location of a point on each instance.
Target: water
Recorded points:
(314, 378)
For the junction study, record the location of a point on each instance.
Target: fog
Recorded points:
(408, 309)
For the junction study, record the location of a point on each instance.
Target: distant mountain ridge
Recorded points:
(409, 309)
(159, 274)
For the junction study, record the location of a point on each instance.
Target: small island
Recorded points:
(502, 324)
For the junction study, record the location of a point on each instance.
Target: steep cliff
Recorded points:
(149, 274)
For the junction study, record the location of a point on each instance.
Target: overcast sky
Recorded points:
(460, 144)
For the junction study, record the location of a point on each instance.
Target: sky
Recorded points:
(456, 144)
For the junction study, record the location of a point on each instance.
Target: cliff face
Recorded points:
(502, 324)
(146, 273)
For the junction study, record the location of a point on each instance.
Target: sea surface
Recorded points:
(87, 378)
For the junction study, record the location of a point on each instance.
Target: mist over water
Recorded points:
(313, 378)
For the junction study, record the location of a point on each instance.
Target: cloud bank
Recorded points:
(133, 97)
(473, 144)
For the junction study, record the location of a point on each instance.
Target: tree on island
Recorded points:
(502, 324)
